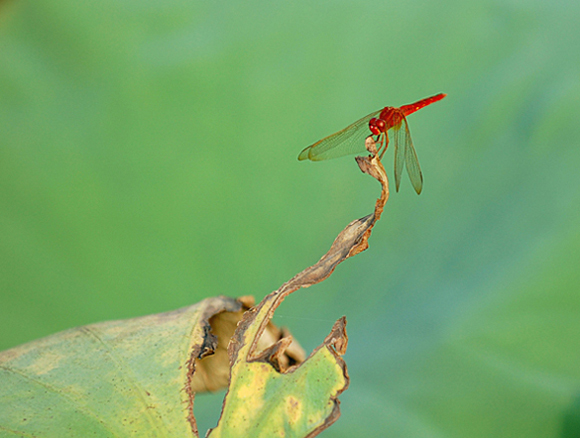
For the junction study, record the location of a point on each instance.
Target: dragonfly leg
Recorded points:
(386, 140)
(379, 141)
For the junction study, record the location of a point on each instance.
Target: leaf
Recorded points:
(263, 402)
(134, 377)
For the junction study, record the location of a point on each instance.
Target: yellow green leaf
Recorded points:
(114, 379)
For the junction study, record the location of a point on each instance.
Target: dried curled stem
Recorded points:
(351, 241)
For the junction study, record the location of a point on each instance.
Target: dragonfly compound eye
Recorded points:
(376, 126)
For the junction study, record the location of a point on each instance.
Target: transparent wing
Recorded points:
(412, 161)
(348, 141)
(398, 140)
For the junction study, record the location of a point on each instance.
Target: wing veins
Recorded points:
(347, 141)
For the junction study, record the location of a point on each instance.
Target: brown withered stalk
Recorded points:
(351, 241)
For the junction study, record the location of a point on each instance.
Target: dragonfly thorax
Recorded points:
(392, 116)
(388, 118)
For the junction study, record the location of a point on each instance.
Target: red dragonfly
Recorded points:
(351, 140)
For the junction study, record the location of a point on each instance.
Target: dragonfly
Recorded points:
(350, 140)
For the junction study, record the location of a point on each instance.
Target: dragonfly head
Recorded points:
(377, 126)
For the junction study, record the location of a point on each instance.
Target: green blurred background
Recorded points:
(148, 160)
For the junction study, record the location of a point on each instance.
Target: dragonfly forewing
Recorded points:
(348, 141)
